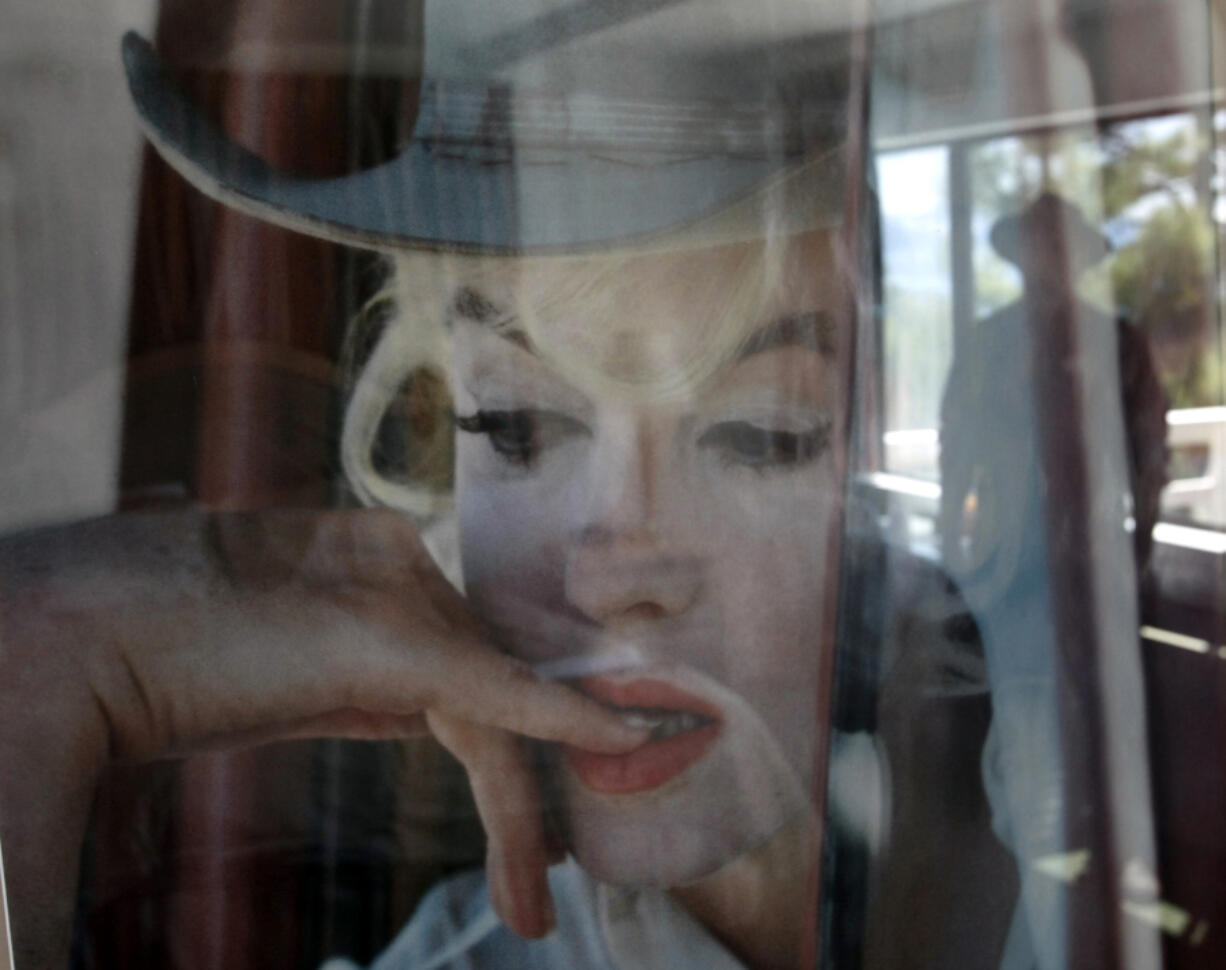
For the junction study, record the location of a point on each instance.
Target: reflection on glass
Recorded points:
(667, 497)
(1150, 186)
(917, 328)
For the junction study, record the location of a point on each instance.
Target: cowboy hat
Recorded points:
(1021, 236)
(548, 126)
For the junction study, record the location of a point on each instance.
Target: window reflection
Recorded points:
(232, 396)
(1153, 187)
(918, 327)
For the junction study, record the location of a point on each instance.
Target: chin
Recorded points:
(664, 854)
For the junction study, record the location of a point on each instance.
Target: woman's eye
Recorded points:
(747, 444)
(520, 436)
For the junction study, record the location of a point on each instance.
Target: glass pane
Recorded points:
(613, 484)
(918, 307)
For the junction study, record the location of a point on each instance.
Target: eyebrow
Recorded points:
(813, 330)
(473, 305)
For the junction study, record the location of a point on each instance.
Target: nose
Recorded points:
(620, 579)
(628, 556)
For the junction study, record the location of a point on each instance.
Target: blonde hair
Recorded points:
(582, 296)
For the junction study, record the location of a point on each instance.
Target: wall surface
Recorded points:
(69, 152)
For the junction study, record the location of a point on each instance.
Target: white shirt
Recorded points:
(599, 927)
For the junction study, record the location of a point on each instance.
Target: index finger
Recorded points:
(480, 685)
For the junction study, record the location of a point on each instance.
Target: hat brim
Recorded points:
(571, 202)
(1013, 236)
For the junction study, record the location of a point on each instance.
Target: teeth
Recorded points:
(663, 724)
(678, 724)
(636, 720)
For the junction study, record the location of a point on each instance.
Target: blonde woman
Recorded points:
(640, 307)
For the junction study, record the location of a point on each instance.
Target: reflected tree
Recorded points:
(1149, 181)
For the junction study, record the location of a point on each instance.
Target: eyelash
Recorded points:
(746, 445)
(519, 437)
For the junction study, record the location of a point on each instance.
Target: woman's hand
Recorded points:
(147, 636)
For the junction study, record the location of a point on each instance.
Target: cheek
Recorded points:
(773, 588)
(771, 540)
(511, 550)
(791, 511)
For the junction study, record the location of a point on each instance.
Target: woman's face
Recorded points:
(671, 546)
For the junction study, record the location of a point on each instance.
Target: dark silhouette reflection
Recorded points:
(1052, 460)
(986, 467)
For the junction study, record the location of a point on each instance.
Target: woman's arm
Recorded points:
(145, 636)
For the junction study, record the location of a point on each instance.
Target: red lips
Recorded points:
(656, 762)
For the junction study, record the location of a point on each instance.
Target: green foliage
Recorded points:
(1164, 279)
(996, 282)
(1160, 279)
(1137, 163)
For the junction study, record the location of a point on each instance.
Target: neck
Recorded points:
(762, 906)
